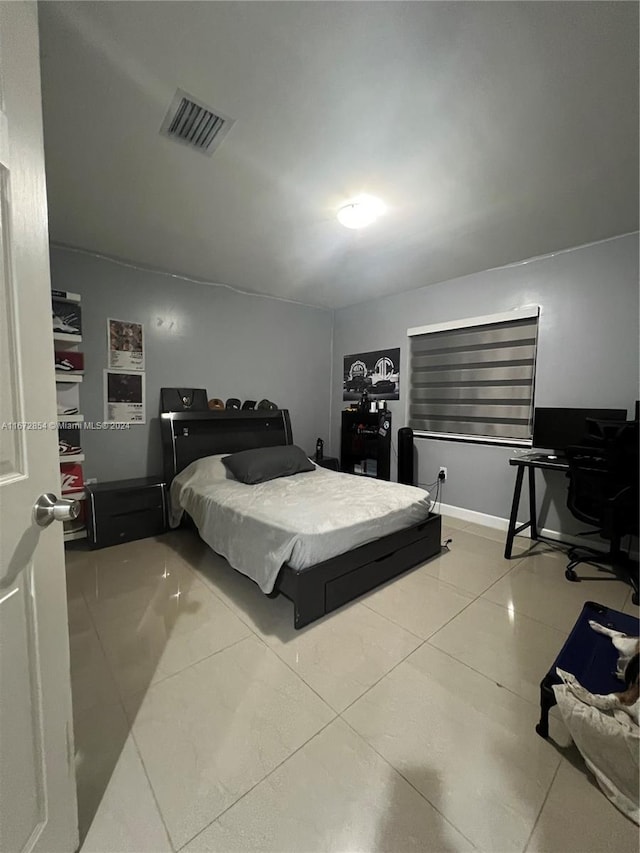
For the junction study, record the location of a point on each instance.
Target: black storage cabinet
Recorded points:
(365, 437)
(124, 510)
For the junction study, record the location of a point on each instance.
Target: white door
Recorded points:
(37, 785)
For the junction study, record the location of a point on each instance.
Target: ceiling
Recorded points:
(493, 131)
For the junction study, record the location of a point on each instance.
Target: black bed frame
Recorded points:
(318, 589)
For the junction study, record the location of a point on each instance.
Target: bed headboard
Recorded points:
(187, 436)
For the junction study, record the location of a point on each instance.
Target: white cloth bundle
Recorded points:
(606, 731)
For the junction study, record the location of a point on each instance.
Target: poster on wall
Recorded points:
(125, 345)
(378, 372)
(124, 397)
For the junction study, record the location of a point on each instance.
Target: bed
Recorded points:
(321, 538)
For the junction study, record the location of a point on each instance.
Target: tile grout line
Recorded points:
(326, 702)
(565, 634)
(259, 782)
(130, 724)
(483, 674)
(130, 733)
(121, 699)
(338, 714)
(388, 619)
(151, 788)
(166, 678)
(297, 674)
(427, 640)
(544, 802)
(433, 633)
(395, 666)
(401, 774)
(257, 636)
(261, 639)
(306, 683)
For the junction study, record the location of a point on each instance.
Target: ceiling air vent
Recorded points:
(192, 122)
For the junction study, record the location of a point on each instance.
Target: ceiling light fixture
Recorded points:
(360, 211)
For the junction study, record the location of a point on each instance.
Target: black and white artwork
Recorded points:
(377, 371)
(124, 397)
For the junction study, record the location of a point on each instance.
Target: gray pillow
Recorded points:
(267, 463)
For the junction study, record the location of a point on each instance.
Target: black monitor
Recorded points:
(556, 429)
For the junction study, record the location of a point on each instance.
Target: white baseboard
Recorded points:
(499, 523)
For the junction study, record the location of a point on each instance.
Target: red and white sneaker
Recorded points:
(71, 479)
(65, 448)
(69, 360)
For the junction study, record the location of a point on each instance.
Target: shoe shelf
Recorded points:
(75, 496)
(69, 377)
(72, 535)
(67, 313)
(64, 337)
(68, 299)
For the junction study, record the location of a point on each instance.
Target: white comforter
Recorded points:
(300, 520)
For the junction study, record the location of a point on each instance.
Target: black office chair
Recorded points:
(603, 491)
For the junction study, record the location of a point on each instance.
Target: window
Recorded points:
(475, 378)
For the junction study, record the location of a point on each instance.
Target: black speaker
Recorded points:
(405, 457)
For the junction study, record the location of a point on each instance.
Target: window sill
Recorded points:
(475, 439)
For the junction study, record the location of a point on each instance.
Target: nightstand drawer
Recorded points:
(126, 527)
(129, 500)
(125, 510)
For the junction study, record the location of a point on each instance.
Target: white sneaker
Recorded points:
(65, 324)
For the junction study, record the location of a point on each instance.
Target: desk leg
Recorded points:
(511, 532)
(533, 516)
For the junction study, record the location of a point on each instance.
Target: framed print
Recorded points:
(377, 372)
(124, 397)
(125, 345)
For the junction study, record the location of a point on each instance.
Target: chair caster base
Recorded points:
(543, 731)
(570, 575)
(635, 599)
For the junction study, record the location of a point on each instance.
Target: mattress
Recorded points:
(300, 520)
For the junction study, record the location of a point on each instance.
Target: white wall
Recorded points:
(587, 355)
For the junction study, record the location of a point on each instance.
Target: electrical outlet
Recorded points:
(442, 473)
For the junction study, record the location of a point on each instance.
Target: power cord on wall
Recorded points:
(436, 500)
(437, 483)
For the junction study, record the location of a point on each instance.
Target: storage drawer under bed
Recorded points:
(370, 575)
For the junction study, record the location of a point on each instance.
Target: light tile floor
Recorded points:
(402, 722)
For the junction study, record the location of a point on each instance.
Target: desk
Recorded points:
(530, 462)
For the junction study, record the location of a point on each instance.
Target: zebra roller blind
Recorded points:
(475, 378)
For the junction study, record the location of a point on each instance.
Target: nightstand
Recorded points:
(124, 510)
(330, 462)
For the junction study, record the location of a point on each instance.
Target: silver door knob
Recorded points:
(49, 508)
